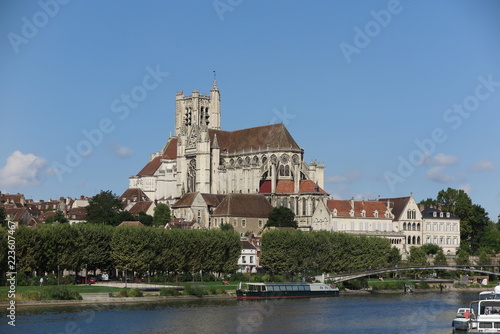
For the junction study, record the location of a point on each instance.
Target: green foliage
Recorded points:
(57, 218)
(123, 292)
(135, 293)
(293, 252)
(59, 293)
(161, 214)
(226, 227)
(484, 257)
(431, 249)
(422, 285)
(281, 217)
(356, 284)
(474, 219)
(462, 257)
(104, 208)
(145, 219)
(169, 292)
(3, 217)
(417, 257)
(440, 259)
(195, 290)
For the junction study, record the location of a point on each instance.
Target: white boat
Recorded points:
(485, 314)
(461, 321)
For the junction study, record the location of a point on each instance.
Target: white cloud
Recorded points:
(441, 159)
(346, 177)
(120, 151)
(437, 174)
(483, 165)
(21, 170)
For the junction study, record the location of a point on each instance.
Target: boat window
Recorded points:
(497, 324)
(485, 325)
(270, 288)
(295, 288)
(307, 288)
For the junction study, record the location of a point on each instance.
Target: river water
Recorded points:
(371, 313)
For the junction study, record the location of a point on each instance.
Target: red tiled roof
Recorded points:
(287, 187)
(272, 136)
(344, 207)
(243, 205)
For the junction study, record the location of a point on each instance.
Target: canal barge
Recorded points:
(285, 290)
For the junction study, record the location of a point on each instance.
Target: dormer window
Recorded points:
(335, 212)
(375, 214)
(434, 214)
(441, 214)
(447, 215)
(351, 213)
(363, 213)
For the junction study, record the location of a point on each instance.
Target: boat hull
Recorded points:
(245, 295)
(460, 324)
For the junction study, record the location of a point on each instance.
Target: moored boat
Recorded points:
(461, 321)
(285, 290)
(485, 314)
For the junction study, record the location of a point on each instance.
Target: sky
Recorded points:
(394, 97)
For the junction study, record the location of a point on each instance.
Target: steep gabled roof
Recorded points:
(272, 136)
(185, 201)
(397, 204)
(134, 195)
(244, 205)
(140, 207)
(210, 199)
(169, 152)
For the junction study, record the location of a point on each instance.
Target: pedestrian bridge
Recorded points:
(347, 276)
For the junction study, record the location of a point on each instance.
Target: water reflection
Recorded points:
(380, 313)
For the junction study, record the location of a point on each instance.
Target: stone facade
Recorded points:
(440, 228)
(202, 158)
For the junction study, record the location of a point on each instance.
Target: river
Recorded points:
(371, 313)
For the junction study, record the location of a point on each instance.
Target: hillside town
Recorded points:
(210, 177)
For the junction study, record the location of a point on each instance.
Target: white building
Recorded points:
(441, 228)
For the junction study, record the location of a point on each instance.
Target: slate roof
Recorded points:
(243, 205)
(188, 199)
(169, 152)
(287, 187)
(261, 137)
(428, 212)
(140, 207)
(397, 204)
(134, 195)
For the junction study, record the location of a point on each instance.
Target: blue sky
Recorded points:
(395, 97)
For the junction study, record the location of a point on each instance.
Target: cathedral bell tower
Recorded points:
(194, 116)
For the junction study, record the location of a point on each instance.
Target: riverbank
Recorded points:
(106, 298)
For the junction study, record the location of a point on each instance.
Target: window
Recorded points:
(243, 223)
(243, 259)
(375, 214)
(251, 259)
(363, 213)
(260, 223)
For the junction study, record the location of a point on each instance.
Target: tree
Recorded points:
(104, 208)
(161, 214)
(3, 217)
(226, 227)
(484, 258)
(145, 219)
(440, 259)
(281, 217)
(462, 257)
(57, 218)
(417, 256)
(473, 218)
(431, 249)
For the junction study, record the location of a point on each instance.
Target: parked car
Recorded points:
(81, 280)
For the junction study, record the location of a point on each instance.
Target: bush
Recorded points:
(238, 277)
(356, 284)
(278, 279)
(195, 290)
(123, 292)
(422, 285)
(59, 293)
(135, 293)
(30, 295)
(168, 292)
(257, 278)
